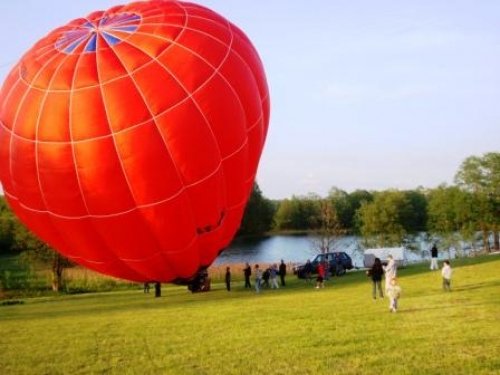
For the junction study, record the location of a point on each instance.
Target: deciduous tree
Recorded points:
(480, 175)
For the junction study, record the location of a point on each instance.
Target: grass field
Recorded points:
(294, 330)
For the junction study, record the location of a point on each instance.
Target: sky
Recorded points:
(364, 94)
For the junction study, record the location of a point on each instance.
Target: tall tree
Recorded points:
(451, 211)
(382, 219)
(329, 227)
(342, 206)
(34, 251)
(298, 213)
(259, 213)
(414, 214)
(480, 175)
(356, 199)
(6, 228)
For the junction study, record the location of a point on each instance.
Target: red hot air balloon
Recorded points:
(130, 139)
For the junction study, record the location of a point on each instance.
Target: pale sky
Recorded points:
(364, 94)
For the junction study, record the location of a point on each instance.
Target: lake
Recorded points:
(290, 248)
(298, 248)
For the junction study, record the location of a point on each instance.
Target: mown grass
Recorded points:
(294, 330)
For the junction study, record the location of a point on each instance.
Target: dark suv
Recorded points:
(338, 263)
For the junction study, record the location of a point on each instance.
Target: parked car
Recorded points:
(338, 264)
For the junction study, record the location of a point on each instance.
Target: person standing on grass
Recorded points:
(247, 272)
(265, 277)
(273, 274)
(376, 273)
(390, 271)
(446, 272)
(282, 272)
(434, 258)
(258, 278)
(321, 276)
(228, 279)
(393, 292)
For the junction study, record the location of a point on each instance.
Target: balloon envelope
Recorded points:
(130, 139)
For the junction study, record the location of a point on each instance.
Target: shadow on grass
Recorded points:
(483, 285)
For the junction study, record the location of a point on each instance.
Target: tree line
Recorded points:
(386, 218)
(382, 218)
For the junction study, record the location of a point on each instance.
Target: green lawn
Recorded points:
(297, 330)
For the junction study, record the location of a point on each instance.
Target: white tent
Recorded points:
(398, 253)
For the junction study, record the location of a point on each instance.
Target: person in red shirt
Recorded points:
(321, 276)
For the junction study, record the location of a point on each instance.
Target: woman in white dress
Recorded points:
(390, 271)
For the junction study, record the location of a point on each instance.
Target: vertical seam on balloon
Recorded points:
(70, 129)
(152, 116)
(207, 122)
(116, 151)
(144, 222)
(9, 131)
(41, 108)
(183, 188)
(262, 97)
(14, 123)
(248, 129)
(14, 84)
(82, 195)
(109, 124)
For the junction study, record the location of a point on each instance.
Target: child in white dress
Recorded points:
(393, 292)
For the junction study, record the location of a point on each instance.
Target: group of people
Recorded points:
(392, 289)
(322, 270)
(267, 278)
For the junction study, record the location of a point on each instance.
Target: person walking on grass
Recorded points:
(273, 275)
(446, 272)
(434, 258)
(376, 273)
(394, 293)
(282, 272)
(228, 279)
(258, 278)
(321, 276)
(390, 271)
(247, 272)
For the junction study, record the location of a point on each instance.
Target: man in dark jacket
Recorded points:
(228, 279)
(282, 272)
(434, 258)
(376, 273)
(247, 271)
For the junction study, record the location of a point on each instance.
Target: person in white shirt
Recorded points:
(390, 271)
(258, 278)
(446, 272)
(393, 292)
